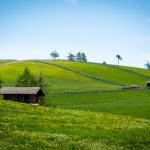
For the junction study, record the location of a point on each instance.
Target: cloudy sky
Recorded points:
(100, 28)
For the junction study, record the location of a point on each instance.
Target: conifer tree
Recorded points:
(71, 57)
(26, 79)
(40, 82)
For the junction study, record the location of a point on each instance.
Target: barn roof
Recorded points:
(20, 90)
(148, 81)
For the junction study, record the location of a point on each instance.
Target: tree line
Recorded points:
(80, 56)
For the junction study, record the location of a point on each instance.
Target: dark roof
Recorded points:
(20, 90)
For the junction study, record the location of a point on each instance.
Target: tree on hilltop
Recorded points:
(54, 54)
(147, 65)
(118, 58)
(71, 57)
(81, 57)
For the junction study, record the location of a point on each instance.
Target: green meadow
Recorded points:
(58, 79)
(127, 103)
(27, 127)
(77, 115)
(109, 72)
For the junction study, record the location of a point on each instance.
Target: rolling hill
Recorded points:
(116, 74)
(92, 112)
(58, 79)
(76, 76)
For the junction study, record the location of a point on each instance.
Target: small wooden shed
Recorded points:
(22, 94)
(148, 84)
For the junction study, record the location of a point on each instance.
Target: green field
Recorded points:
(84, 118)
(6, 61)
(138, 70)
(109, 72)
(28, 127)
(128, 103)
(58, 79)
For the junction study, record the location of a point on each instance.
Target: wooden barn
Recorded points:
(148, 84)
(22, 94)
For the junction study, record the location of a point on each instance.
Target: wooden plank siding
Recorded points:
(22, 94)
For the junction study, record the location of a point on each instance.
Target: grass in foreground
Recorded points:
(23, 126)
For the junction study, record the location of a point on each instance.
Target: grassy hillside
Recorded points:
(90, 121)
(6, 61)
(28, 127)
(109, 72)
(138, 70)
(58, 79)
(61, 79)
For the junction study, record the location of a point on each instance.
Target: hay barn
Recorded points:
(22, 94)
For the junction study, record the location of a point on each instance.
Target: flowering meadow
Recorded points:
(29, 127)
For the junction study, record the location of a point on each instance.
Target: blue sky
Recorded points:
(31, 29)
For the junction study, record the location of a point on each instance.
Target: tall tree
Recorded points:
(54, 54)
(71, 57)
(26, 79)
(147, 65)
(81, 57)
(41, 82)
(118, 58)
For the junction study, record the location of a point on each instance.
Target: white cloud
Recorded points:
(71, 1)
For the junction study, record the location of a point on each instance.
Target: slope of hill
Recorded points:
(105, 120)
(6, 61)
(110, 72)
(137, 70)
(24, 126)
(58, 79)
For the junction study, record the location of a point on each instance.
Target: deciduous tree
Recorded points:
(118, 58)
(147, 65)
(54, 54)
